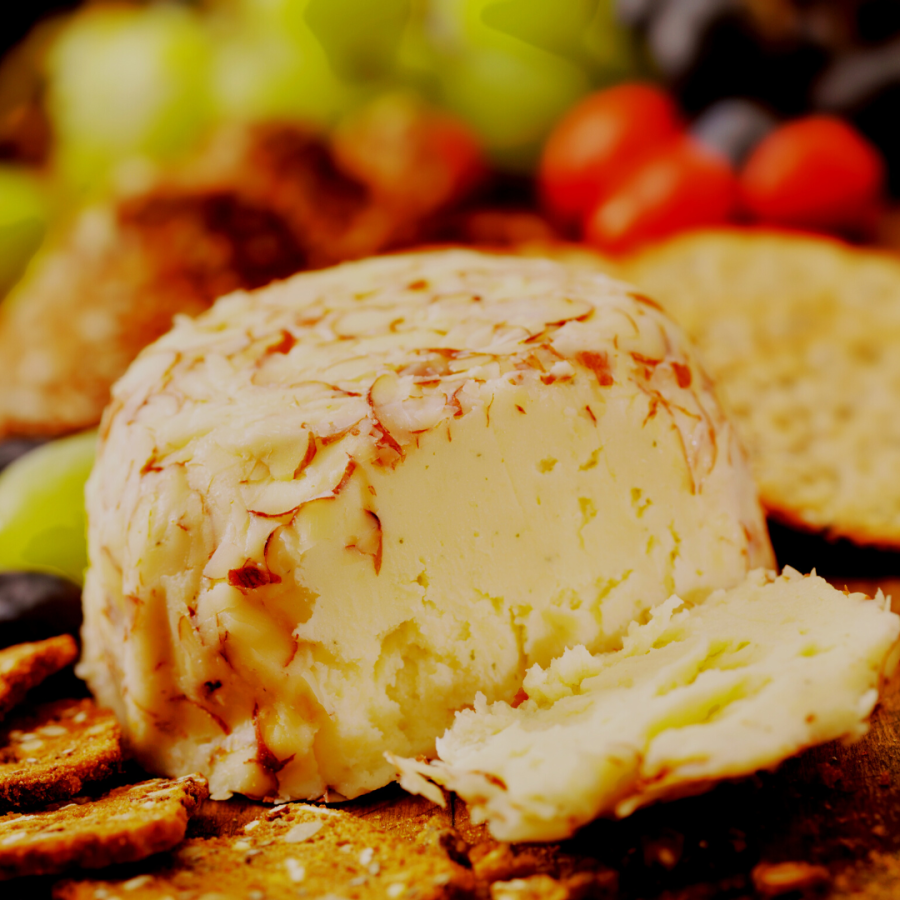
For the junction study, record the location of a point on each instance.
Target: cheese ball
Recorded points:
(326, 514)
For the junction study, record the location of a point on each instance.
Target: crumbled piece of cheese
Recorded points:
(326, 514)
(739, 683)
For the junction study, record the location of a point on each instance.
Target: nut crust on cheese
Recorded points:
(739, 683)
(326, 514)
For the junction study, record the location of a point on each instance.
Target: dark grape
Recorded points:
(879, 121)
(678, 29)
(854, 78)
(877, 20)
(733, 127)
(864, 86)
(712, 49)
(14, 448)
(34, 606)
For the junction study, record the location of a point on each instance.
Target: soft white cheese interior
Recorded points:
(737, 684)
(325, 515)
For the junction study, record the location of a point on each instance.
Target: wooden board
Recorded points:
(835, 807)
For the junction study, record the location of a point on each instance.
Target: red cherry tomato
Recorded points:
(605, 133)
(817, 172)
(682, 185)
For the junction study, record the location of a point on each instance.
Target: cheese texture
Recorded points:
(737, 684)
(326, 514)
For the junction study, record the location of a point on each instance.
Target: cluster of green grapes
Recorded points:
(149, 80)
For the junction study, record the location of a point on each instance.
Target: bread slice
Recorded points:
(800, 337)
(739, 683)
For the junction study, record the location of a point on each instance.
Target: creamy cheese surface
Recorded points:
(326, 514)
(751, 676)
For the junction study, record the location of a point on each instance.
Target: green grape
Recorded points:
(23, 219)
(613, 51)
(359, 37)
(585, 32)
(511, 98)
(268, 63)
(463, 26)
(272, 75)
(42, 518)
(127, 81)
(557, 27)
(492, 70)
(275, 15)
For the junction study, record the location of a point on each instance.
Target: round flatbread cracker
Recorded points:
(800, 335)
(25, 666)
(50, 752)
(124, 825)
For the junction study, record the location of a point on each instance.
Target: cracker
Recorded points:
(800, 337)
(26, 665)
(292, 850)
(124, 825)
(48, 753)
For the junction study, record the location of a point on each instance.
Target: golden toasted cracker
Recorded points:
(124, 825)
(292, 850)
(800, 336)
(48, 753)
(26, 665)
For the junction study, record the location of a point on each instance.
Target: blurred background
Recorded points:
(95, 94)
(92, 83)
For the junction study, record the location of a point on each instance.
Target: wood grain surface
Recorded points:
(826, 824)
